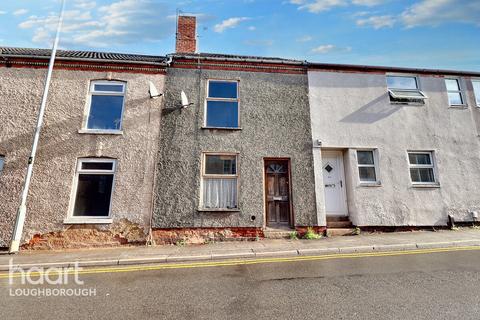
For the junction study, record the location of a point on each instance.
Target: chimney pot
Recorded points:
(186, 40)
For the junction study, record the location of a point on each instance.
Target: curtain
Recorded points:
(220, 193)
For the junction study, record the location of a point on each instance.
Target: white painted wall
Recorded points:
(352, 110)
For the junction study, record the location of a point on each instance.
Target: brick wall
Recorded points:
(186, 35)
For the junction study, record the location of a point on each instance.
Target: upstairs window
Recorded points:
(455, 95)
(93, 188)
(105, 106)
(2, 161)
(422, 169)
(366, 166)
(405, 89)
(476, 90)
(219, 181)
(222, 104)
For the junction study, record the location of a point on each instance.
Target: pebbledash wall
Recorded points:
(61, 144)
(350, 109)
(274, 122)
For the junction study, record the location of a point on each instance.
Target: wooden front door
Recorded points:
(277, 185)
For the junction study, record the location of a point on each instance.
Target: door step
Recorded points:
(337, 232)
(338, 222)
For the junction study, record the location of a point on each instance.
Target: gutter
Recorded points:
(391, 69)
(84, 59)
(199, 57)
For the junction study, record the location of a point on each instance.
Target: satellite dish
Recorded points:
(153, 91)
(184, 100)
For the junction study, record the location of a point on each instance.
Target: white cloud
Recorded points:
(368, 3)
(434, 13)
(3, 12)
(320, 5)
(305, 38)
(228, 23)
(317, 6)
(377, 22)
(252, 28)
(328, 48)
(20, 12)
(85, 4)
(119, 23)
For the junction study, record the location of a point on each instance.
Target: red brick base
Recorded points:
(318, 229)
(204, 235)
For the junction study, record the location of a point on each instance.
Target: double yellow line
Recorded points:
(236, 262)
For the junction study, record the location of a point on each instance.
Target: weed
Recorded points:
(293, 235)
(311, 234)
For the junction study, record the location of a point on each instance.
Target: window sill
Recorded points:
(425, 185)
(217, 210)
(370, 184)
(112, 132)
(221, 128)
(416, 104)
(458, 106)
(86, 220)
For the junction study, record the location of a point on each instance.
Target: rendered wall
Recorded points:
(274, 120)
(60, 146)
(352, 110)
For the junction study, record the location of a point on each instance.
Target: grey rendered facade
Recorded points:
(134, 149)
(351, 110)
(274, 123)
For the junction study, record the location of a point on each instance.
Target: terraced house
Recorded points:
(395, 146)
(93, 175)
(238, 159)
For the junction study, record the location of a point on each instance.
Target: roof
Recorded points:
(162, 60)
(236, 58)
(81, 55)
(366, 68)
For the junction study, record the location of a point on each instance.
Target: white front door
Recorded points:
(334, 183)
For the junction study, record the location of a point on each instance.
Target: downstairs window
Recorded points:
(93, 188)
(422, 169)
(219, 181)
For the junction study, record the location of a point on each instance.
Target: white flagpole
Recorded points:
(22, 209)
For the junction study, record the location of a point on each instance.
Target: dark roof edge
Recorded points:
(83, 59)
(234, 58)
(38, 53)
(329, 66)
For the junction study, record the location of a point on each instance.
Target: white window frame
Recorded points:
(208, 98)
(218, 176)
(459, 91)
(2, 163)
(71, 219)
(476, 94)
(432, 166)
(374, 166)
(91, 92)
(396, 92)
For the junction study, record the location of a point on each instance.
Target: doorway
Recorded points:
(334, 183)
(278, 193)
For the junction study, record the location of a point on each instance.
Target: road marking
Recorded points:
(235, 262)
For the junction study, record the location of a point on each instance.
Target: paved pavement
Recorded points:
(440, 286)
(246, 249)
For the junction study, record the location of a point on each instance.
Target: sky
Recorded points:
(441, 34)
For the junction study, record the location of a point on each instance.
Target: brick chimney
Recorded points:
(186, 40)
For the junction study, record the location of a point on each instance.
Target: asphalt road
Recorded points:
(412, 286)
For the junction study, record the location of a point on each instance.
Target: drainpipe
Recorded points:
(22, 209)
